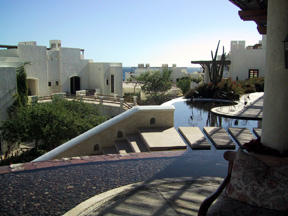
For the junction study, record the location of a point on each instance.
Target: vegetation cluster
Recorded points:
(227, 89)
(48, 124)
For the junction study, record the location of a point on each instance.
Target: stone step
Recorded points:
(241, 135)
(219, 137)
(109, 150)
(257, 132)
(160, 139)
(195, 138)
(123, 145)
(136, 143)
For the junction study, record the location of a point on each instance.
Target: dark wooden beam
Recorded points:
(262, 30)
(8, 46)
(201, 62)
(253, 15)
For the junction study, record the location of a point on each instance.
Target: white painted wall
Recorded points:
(58, 64)
(243, 59)
(275, 115)
(37, 68)
(72, 65)
(8, 89)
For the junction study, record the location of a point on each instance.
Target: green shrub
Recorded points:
(156, 99)
(227, 89)
(26, 156)
(184, 84)
(128, 97)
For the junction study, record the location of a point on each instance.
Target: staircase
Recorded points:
(146, 140)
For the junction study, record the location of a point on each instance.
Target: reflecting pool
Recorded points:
(198, 114)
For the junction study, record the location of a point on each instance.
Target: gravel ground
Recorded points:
(54, 191)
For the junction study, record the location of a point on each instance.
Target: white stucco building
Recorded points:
(247, 62)
(177, 72)
(60, 69)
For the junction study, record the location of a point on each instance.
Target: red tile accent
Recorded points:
(4, 169)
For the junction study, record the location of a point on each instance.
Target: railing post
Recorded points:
(97, 92)
(101, 100)
(121, 104)
(115, 97)
(81, 97)
(134, 100)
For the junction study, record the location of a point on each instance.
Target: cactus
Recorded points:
(215, 70)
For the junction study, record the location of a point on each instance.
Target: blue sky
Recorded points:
(128, 31)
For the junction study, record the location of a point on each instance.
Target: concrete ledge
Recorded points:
(109, 123)
(219, 137)
(195, 138)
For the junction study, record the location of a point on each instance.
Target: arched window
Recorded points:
(152, 121)
(96, 147)
(120, 134)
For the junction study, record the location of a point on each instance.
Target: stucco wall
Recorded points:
(117, 71)
(105, 134)
(53, 71)
(128, 126)
(96, 74)
(56, 66)
(9, 53)
(72, 65)
(243, 60)
(37, 68)
(8, 88)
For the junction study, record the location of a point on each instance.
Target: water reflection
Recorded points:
(198, 114)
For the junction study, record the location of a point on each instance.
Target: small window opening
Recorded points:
(49, 84)
(253, 73)
(152, 121)
(120, 134)
(96, 147)
(107, 82)
(57, 83)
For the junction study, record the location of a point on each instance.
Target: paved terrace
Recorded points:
(112, 182)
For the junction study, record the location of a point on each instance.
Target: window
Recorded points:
(152, 121)
(253, 73)
(49, 84)
(112, 83)
(96, 147)
(107, 82)
(57, 83)
(119, 134)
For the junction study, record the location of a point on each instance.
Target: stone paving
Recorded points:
(180, 196)
(249, 106)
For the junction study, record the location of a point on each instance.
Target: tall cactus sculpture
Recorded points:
(215, 70)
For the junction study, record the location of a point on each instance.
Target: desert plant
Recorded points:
(215, 70)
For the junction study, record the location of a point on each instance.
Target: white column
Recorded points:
(206, 74)
(101, 100)
(275, 111)
(121, 104)
(134, 100)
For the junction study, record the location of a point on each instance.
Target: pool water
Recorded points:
(199, 163)
(198, 114)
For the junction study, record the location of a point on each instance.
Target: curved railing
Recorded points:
(104, 126)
